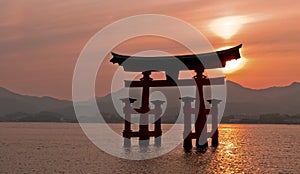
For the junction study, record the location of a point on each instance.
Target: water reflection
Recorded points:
(229, 157)
(242, 149)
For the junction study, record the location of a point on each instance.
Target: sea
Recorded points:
(64, 148)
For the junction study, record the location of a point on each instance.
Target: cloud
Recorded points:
(228, 26)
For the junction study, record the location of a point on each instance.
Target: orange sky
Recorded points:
(41, 40)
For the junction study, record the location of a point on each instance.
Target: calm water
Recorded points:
(63, 148)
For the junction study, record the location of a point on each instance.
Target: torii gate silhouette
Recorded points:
(196, 62)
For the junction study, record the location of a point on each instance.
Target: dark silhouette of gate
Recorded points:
(198, 63)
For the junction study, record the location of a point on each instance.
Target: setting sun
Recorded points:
(234, 65)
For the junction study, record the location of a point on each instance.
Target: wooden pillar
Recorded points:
(144, 116)
(127, 110)
(200, 123)
(215, 116)
(143, 130)
(157, 124)
(146, 92)
(187, 111)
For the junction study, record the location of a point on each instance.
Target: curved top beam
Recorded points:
(192, 61)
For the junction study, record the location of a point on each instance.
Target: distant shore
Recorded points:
(166, 119)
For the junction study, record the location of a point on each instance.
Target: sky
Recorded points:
(42, 39)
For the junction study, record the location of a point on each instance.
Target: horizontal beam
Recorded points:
(165, 83)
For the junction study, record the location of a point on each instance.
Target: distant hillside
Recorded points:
(240, 101)
(11, 102)
(282, 100)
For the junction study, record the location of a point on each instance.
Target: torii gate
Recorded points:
(193, 62)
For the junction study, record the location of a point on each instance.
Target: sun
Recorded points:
(234, 65)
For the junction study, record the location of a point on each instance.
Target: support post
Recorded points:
(157, 125)
(127, 110)
(200, 123)
(187, 111)
(143, 129)
(146, 79)
(215, 116)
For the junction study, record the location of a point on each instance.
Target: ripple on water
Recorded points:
(63, 148)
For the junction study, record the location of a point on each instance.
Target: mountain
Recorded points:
(240, 101)
(11, 102)
(282, 100)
